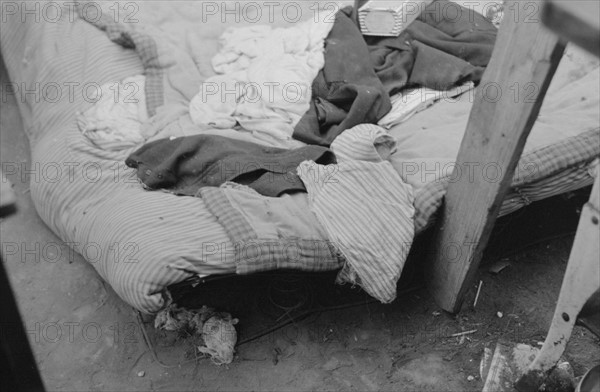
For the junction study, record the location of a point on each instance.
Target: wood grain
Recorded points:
(575, 20)
(507, 103)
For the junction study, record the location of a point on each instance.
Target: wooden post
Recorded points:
(575, 20)
(507, 103)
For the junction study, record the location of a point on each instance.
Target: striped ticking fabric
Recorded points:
(138, 241)
(558, 168)
(366, 209)
(143, 45)
(256, 251)
(365, 142)
(564, 181)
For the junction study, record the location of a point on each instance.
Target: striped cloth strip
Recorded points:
(565, 181)
(366, 209)
(143, 45)
(256, 249)
(558, 168)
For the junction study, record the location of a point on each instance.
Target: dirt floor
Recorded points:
(85, 338)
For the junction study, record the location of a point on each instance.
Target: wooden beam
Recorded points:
(575, 20)
(507, 103)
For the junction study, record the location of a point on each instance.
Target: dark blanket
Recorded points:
(184, 165)
(446, 46)
(346, 92)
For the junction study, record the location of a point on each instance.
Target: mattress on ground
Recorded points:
(138, 241)
(141, 242)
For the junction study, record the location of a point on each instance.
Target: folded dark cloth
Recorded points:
(446, 46)
(346, 92)
(186, 164)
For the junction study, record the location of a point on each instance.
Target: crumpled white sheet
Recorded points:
(115, 121)
(264, 79)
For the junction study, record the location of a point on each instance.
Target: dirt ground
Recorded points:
(85, 338)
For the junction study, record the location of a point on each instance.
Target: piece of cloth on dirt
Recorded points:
(409, 102)
(115, 121)
(186, 164)
(217, 329)
(264, 78)
(365, 208)
(271, 232)
(346, 92)
(219, 337)
(448, 45)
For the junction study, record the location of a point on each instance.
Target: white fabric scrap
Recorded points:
(264, 78)
(366, 209)
(115, 120)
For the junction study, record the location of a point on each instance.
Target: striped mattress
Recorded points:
(140, 241)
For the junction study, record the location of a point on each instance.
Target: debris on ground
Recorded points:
(217, 329)
(220, 338)
(463, 333)
(509, 362)
(477, 295)
(498, 266)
